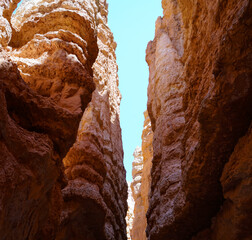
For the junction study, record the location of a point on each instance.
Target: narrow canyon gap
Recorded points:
(61, 158)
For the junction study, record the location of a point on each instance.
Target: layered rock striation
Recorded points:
(147, 151)
(130, 213)
(233, 220)
(138, 229)
(141, 169)
(95, 162)
(199, 103)
(62, 174)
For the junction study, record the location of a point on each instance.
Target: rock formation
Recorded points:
(234, 219)
(97, 156)
(141, 168)
(138, 229)
(199, 103)
(130, 213)
(60, 104)
(147, 151)
(61, 157)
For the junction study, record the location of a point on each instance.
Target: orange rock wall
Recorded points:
(97, 156)
(141, 169)
(233, 220)
(60, 104)
(147, 151)
(130, 213)
(199, 103)
(138, 229)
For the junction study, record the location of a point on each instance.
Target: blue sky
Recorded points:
(133, 25)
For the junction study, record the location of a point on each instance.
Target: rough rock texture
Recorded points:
(130, 213)
(141, 169)
(147, 151)
(31, 168)
(49, 68)
(6, 9)
(95, 162)
(138, 230)
(234, 219)
(55, 57)
(199, 103)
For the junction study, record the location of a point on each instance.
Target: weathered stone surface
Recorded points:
(31, 175)
(55, 57)
(36, 132)
(6, 9)
(141, 169)
(199, 102)
(138, 230)
(234, 219)
(147, 151)
(97, 156)
(130, 213)
(49, 69)
(165, 107)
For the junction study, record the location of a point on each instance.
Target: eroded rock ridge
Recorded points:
(199, 103)
(141, 170)
(62, 174)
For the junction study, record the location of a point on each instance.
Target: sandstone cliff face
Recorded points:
(95, 161)
(147, 151)
(199, 102)
(6, 9)
(130, 213)
(60, 103)
(141, 169)
(138, 230)
(233, 221)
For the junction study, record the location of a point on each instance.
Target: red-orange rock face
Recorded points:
(138, 226)
(130, 213)
(234, 219)
(141, 169)
(94, 165)
(62, 174)
(199, 102)
(31, 176)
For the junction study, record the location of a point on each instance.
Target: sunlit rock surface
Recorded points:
(6, 9)
(199, 103)
(141, 180)
(147, 151)
(61, 157)
(96, 159)
(130, 213)
(54, 52)
(138, 229)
